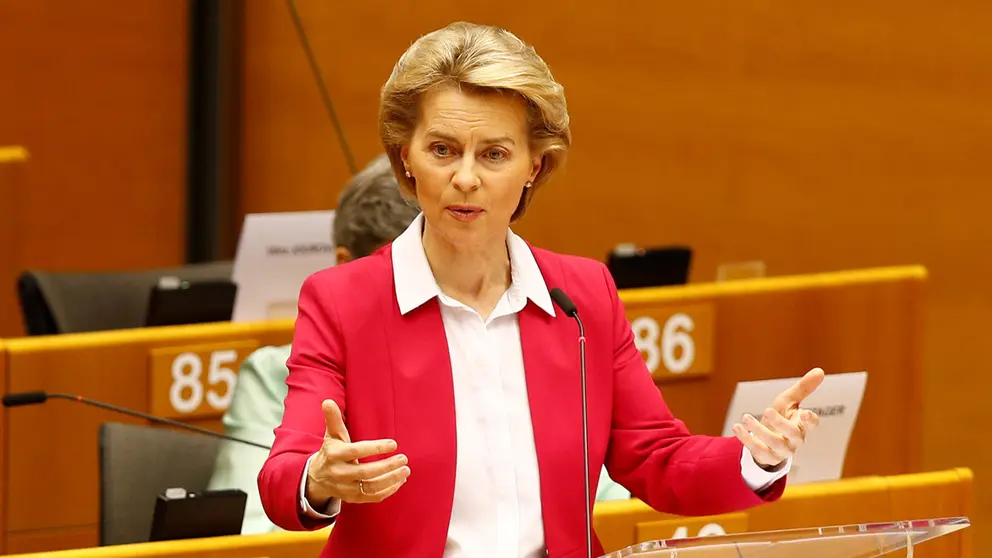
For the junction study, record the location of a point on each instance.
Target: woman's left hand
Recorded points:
(783, 427)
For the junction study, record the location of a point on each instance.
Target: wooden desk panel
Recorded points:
(874, 499)
(270, 545)
(878, 499)
(858, 500)
(781, 327)
(3, 450)
(938, 494)
(50, 540)
(55, 444)
(691, 527)
(12, 163)
(863, 320)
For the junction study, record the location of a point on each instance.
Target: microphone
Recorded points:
(570, 310)
(325, 96)
(36, 397)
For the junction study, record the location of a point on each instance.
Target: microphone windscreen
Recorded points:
(563, 302)
(26, 398)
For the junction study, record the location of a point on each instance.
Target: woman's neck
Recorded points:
(476, 276)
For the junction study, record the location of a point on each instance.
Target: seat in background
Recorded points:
(137, 463)
(66, 302)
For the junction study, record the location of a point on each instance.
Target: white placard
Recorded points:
(837, 402)
(276, 253)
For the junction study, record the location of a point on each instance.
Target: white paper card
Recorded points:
(276, 253)
(837, 402)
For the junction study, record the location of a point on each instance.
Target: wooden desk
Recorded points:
(620, 524)
(781, 327)
(859, 500)
(3, 449)
(766, 328)
(12, 163)
(52, 477)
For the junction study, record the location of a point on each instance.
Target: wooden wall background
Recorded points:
(96, 93)
(813, 137)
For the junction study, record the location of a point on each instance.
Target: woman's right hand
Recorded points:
(335, 472)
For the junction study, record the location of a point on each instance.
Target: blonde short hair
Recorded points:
(483, 58)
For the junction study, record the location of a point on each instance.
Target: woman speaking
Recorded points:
(434, 405)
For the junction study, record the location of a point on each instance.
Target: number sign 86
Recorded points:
(671, 345)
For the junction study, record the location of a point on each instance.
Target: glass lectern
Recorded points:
(848, 541)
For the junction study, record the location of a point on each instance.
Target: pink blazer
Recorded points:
(391, 376)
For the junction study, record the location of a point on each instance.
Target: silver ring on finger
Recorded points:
(361, 487)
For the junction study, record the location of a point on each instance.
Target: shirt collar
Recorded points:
(415, 283)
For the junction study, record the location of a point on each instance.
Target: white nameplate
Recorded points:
(276, 253)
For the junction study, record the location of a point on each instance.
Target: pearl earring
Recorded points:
(408, 175)
(528, 185)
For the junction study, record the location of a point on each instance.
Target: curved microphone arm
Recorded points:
(325, 96)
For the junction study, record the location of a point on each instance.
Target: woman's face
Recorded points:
(470, 157)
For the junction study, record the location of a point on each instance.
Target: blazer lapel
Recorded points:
(424, 404)
(551, 363)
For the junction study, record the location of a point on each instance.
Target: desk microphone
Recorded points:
(570, 310)
(37, 397)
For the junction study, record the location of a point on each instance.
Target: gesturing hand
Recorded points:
(335, 472)
(783, 426)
